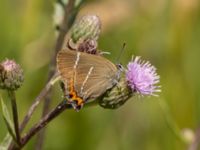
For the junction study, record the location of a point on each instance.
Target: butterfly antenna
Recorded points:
(121, 52)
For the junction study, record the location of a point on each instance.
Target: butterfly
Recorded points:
(85, 76)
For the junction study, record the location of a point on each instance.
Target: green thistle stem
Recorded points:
(170, 122)
(38, 99)
(15, 116)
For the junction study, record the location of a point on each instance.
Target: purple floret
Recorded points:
(142, 77)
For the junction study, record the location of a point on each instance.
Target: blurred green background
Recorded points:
(165, 32)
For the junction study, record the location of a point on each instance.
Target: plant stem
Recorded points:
(15, 116)
(34, 105)
(37, 101)
(170, 122)
(44, 121)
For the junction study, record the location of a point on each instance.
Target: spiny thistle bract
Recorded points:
(87, 27)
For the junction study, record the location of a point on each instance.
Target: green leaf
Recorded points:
(7, 119)
(6, 142)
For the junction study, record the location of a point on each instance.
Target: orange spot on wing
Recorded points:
(73, 93)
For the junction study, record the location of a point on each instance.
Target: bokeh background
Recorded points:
(165, 32)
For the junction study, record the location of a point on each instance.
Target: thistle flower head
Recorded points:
(11, 75)
(142, 77)
(84, 35)
(87, 27)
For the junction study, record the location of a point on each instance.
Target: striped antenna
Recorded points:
(121, 52)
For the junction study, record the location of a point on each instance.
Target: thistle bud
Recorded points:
(88, 27)
(117, 96)
(11, 75)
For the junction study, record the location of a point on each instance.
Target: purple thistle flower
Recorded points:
(142, 77)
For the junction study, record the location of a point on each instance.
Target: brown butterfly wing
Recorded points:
(100, 79)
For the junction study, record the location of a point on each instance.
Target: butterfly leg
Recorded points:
(64, 88)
